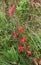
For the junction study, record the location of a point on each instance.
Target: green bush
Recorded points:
(28, 24)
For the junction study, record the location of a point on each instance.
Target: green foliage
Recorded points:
(24, 9)
(9, 54)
